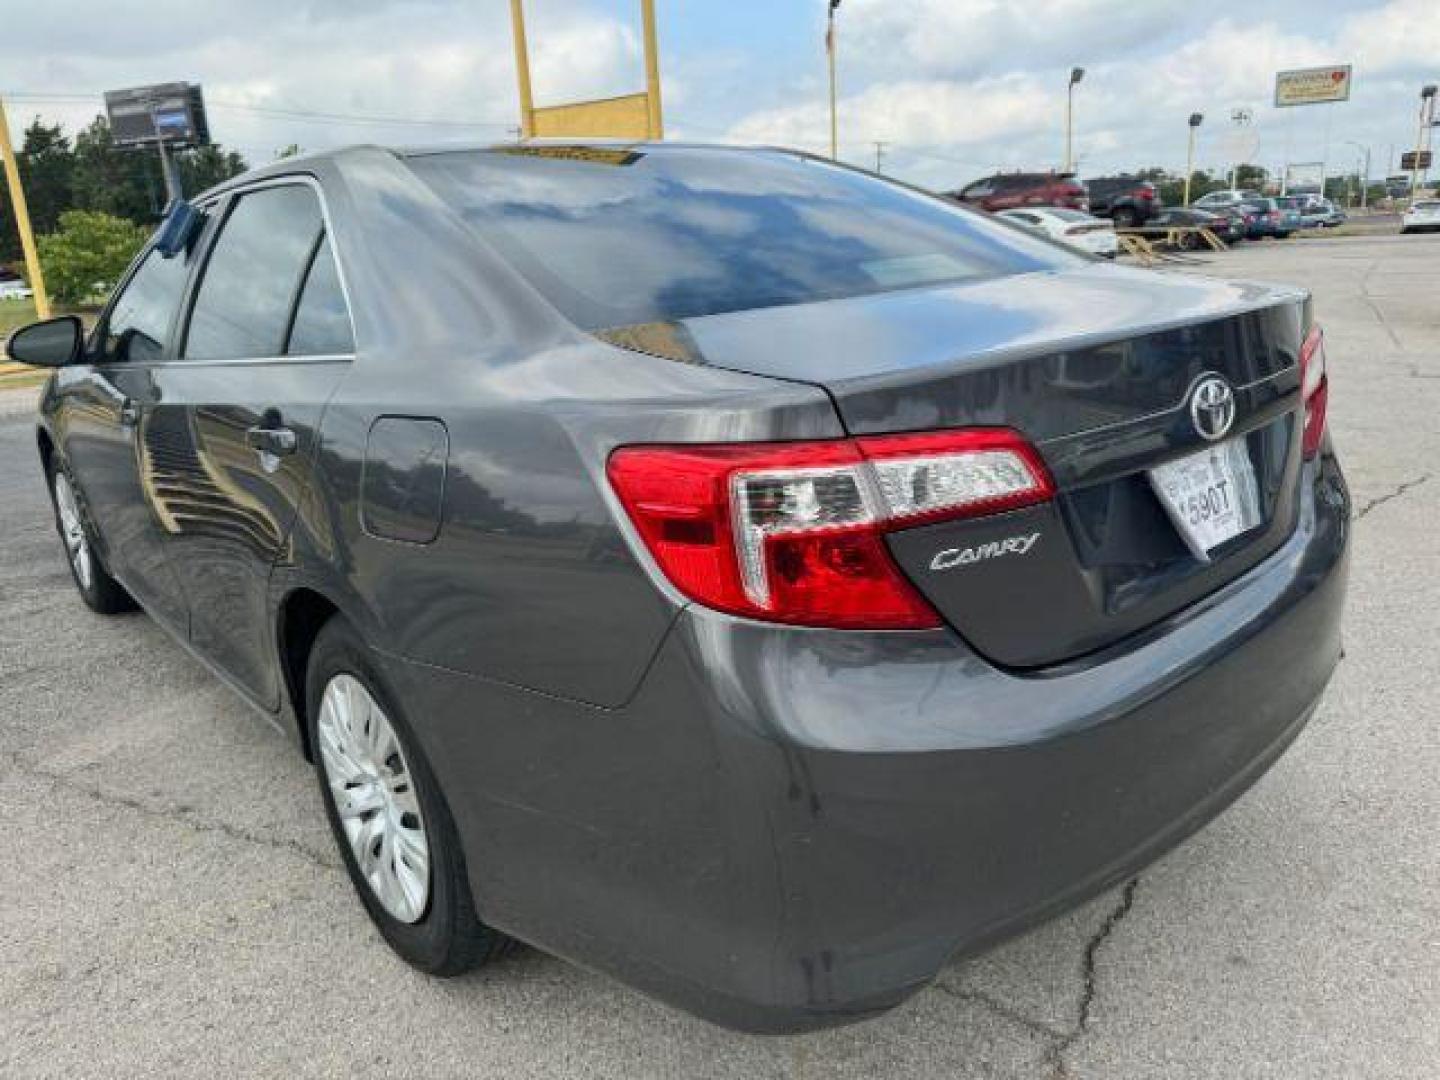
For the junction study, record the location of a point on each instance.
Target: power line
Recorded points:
(310, 115)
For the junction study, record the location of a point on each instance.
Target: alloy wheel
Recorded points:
(77, 544)
(373, 792)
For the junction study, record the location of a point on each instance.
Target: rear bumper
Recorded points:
(790, 829)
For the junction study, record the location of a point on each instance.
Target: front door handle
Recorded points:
(278, 441)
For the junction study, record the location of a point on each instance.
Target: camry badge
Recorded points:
(995, 549)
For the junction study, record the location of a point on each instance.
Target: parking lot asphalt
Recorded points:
(171, 904)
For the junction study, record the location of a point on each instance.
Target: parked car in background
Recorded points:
(1422, 216)
(850, 583)
(1007, 191)
(1124, 199)
(1298, 204)
(1228, 226)
(1290, 220)
(1262, 218)
(1073, 227)
(13, 287)
(1322, 213)
(1219, 200)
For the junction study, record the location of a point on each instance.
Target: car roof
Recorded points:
(302, 163)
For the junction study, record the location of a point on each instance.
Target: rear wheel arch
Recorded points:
(302, 614)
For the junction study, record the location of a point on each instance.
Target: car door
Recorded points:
(1009, 193)
(101, 427)
(233, 430)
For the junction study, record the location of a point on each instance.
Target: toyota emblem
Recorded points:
(1212, 407)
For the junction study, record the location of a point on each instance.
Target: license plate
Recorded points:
(1210, 495)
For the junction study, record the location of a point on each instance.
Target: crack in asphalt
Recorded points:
(1059, 1042)
(1381, 500)
(1372, 302)
(179, 815)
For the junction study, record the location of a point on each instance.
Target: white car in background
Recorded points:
(1423, 214)
(14, 288)
(1073, 227)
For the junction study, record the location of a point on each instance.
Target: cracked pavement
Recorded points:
(172, 903)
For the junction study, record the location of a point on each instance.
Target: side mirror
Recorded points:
(52, 343)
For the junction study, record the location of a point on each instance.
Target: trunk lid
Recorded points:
(1097, 367)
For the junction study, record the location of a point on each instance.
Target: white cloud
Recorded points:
(959, 87)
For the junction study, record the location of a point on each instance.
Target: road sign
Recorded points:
(1408, 160)
(1312, 86)
(144, 115)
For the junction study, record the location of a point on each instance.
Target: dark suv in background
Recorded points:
(1007, 191)
(1126, 200)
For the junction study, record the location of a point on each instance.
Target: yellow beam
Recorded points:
(630, 116)
(522, 69)
(627, 117)
(22, 219)
(652, 70)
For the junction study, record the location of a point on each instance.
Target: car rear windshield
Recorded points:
(620, 237)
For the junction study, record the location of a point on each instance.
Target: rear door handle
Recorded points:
(271, 440)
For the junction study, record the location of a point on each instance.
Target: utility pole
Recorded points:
(880, 155)
(1427, 114)
(1196, 119)
(22, 219)
(1364, 180)
(1076, 74)
(830, 53)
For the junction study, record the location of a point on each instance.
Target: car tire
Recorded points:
(101, 592)
(1124, 218)
(439, 933)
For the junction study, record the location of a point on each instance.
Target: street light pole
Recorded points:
(1076, 74)
(1196, 119)
(830, 52)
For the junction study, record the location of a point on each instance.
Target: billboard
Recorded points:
(143, 115)
(1312, 86)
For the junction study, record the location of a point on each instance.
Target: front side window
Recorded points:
(620, 238)
(249, 286)
(138, 327)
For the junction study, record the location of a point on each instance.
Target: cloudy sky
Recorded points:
(955, 88)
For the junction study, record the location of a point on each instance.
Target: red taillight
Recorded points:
(794, 532)
(1314, 390)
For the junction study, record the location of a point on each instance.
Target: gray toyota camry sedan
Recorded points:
(734, 572)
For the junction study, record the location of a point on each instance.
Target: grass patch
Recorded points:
(15, 314)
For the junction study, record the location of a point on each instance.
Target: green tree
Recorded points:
(88, 253)
(206, 166)
(46, 171)
(1251, 176)
(126, 183)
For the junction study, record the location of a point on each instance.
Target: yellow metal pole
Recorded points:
(522, 70)
(22, 219)
(834, 121)
(652, 70)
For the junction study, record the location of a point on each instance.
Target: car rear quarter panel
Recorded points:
(529, 579)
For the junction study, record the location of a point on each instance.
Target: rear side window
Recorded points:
(322, 319)
(616, 238)
(250, 283)
(138, 328)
